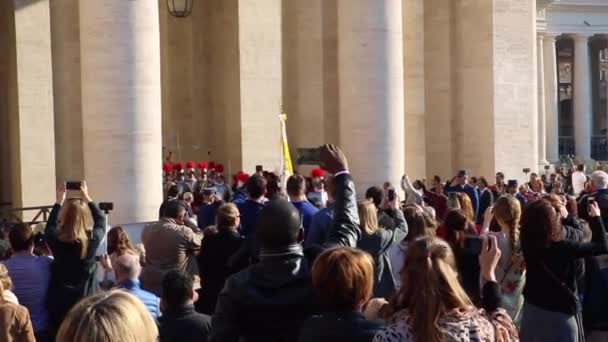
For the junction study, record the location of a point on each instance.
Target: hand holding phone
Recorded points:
(593, 208)
(488, 259)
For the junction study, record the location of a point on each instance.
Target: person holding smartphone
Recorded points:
(552, 311)
(75, 228)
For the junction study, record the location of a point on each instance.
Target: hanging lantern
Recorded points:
(180, 8)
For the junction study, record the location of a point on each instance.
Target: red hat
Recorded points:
(212, 165)
(242, 176)
(167, 167)
(190, 165)
(178, 166)
(318, 172)
(202, 165)
(219, 168)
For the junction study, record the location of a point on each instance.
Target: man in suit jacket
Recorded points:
(486, 198)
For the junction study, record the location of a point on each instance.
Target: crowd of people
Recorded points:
(304, 260)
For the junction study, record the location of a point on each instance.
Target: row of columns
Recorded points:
(548, 97)
(120, 92)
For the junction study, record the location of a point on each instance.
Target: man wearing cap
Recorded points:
(460, 184)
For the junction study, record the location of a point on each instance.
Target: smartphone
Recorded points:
(391, 195)
(590, 200)
(106, 206)
(453, 200)
(73, 185)
(259, 168)
(473, 244)
(309, 156)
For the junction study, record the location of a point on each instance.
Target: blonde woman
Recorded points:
(74, 230)
(6, 285)
(511, 269)
(109, 316)
(15, 323)
(377, 241)
(432, 306)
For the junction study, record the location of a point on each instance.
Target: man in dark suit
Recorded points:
(486, 199)
(460, 184)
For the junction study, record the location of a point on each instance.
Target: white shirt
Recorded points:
(578, 182)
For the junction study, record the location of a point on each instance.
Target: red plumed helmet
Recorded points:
(178, 166)
(219, 168)
(212, 165)
(202, 165)
(317, 173)
(242, 176)
(167, 167)
(190, 165)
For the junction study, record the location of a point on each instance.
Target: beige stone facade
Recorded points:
(102, 90)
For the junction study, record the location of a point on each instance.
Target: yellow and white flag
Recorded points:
(286, 160)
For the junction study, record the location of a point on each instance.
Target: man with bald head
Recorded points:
(270, 300)
(128, 269)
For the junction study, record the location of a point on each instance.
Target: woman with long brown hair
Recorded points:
(419, 224)
(75, 229)
(511, 270)
(432, 306)
(552, 309)
(119, 243)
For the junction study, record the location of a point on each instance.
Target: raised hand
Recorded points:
(488, 259)
(60, 194)
(333, 159)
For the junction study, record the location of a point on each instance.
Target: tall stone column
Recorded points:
(542, 121)
(26, 55)
(582, 97)
(370, 60)
(65, 41)
(121, 106)
(551, 98)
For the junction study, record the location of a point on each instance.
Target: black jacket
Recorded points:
(184, 325)
(377, 244)
(72, 277)
(341, 326)
(601, 197)
(270, 300)
(486, 199)
(214, 265)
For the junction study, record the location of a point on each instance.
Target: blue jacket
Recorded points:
(319, 226)
(469, 190)
(250, 211)
(240, 196)
(307, 211)
(152, 303)
(206, 215)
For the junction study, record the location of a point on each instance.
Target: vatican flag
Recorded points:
(286, 160)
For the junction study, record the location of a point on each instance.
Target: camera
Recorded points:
(73, 185)
(547, 167)
(526, 170)
(106, 206)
